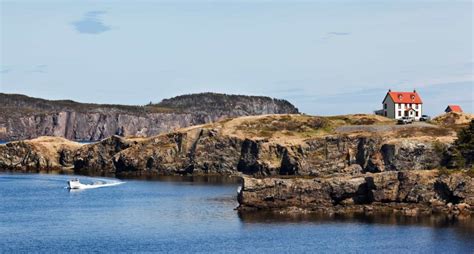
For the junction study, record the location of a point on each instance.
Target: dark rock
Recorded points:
(411, 193)
(44, 153)
(96, 158)
(248, 163)
(23, 117)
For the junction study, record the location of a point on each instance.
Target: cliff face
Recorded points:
(208, 151)
(370, 168)
(406, 192)
(267, 145)
(40, 154)
(91, 126)
(24, 117)
(292, 145)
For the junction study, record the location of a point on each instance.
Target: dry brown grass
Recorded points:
(361, 119)
(49, 147)
(295, 128)
(277, 127)
(423, 131)
(52, 145)
(469, 172)
(453, 119)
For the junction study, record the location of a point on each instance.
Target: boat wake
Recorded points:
(75, 184)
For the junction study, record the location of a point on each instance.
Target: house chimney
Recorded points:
(414, 90)
(389, 90)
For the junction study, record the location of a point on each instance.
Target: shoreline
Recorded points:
(277, 195)
(416, 192)
(287, 162)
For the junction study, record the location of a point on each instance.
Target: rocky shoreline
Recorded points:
(288, 163)
(412, 193)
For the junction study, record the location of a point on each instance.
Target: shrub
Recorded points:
(462, 152)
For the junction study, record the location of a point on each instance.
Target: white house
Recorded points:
(399, 104)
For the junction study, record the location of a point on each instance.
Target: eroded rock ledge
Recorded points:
(268, 145)
(409, 192)
(375, 167)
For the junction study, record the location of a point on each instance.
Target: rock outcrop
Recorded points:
(235, 146)
(267, 145)
(99, 156)
(288, 162)
(407, 192)
(23, 117)
(40, 154)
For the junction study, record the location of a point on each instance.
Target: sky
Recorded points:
(325, 57)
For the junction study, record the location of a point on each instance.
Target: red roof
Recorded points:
(405, 97)
(453, 108)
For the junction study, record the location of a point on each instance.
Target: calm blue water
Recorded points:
(37, 214)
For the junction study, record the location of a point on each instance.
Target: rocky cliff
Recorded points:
(40, 154)
(331, 167)
(272, 145)
(269, 145)
(23, 117)
(407, 192)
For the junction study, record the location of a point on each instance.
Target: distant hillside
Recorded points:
(233, 105)
(23, 117)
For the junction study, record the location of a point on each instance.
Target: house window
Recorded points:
(410, 105)
(399, 106)
(416, 113)
(416, 106)
(385, 113)
(399, 113)
(385, 106)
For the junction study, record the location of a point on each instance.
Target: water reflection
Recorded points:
(197, 180)
(195, 214)
(464, 227)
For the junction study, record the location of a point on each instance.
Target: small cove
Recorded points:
(195, 214)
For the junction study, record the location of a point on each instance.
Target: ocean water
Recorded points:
(196, 215)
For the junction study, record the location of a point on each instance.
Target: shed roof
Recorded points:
(453, 108)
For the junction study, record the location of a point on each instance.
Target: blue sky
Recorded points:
(326, 57)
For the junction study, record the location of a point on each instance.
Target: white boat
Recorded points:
(75, 184)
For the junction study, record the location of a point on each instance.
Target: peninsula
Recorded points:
(288, 162)
(23, 117)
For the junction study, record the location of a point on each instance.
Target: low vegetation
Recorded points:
(464, 146)
(431, 131)
(448, 172)
(222, 102)
(453, 119)
(21, 105)
(285, 125)
(361, 119)
(294, 127)
(460, 155)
